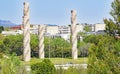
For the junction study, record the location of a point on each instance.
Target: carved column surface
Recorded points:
(41, 29)
(74, 34)
(26, 33)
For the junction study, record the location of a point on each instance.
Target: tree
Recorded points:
(87, 28)
(104, 57)
(34, 45)
(1, 28)
(13, 43)
(113, 26)
(57, 47)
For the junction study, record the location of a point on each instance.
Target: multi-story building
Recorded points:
(80, 28)
(98, 27)
(51, 29)
(63, 30)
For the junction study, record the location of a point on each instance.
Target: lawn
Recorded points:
(62, 60)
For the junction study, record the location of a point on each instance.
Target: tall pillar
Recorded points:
(41, 29)
(74, 34)
(26, 33)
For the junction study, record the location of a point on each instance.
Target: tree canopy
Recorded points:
(113, 25)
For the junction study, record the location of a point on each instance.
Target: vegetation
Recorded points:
(113, 26)
(1, 28)
(10, 64)
(54, 47)
(87, 28)
(61, 60)
(104, 56)
(72, 70)
(44, 67)
(13, 44)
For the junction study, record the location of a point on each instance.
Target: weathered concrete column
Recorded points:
(26, 33)
(41, 29)
(74, 35)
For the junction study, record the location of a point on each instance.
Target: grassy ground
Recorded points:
(61, 60)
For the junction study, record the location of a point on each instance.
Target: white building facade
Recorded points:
(98, 27)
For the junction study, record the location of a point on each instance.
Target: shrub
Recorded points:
(104, 57)
(44, 67)
(9, 65)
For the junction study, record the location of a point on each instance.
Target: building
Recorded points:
(80, 28)
(18, 27)
(98, 27)
(5, 33)
(63, 30)
(51, 29)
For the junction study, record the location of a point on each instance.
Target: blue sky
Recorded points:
(56, 11)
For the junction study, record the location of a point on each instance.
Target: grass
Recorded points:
(61, 60)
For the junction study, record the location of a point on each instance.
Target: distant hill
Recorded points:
(6, 23)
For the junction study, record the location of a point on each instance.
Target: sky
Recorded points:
(56, 11)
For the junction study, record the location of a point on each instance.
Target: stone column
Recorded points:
(26, 33)
(74, 35)
(41, 29)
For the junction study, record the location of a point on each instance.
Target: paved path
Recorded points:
(66, 66)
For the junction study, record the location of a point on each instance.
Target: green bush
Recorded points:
(11, 65)
(104, 57)
(44, 67)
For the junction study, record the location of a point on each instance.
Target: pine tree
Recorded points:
(104, 57)
(113, 26)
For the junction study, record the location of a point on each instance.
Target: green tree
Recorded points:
(1, 28)
(34, 45)
(13, 43)
(104, 57)
(57, 47)
(87, 28)
(113, 26)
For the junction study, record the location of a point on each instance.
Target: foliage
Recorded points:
(103, 58)
(87, 28)
(84, 50)
(72, 70)
(93, 39)
(13, 43)
(7, 28)
(82, 34)
(34, 45)
(57, 47)
(44, 67)
(11, 65)
(113, 26)
(1, 28)
(54, 47)
(2, 46)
